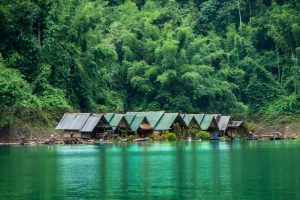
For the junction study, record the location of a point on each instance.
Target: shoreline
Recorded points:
(128, 142)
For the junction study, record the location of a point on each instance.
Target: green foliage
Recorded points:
(285, 105)
(155, 137)
(171, 136)
(131, 137)
(203, 135)
(250, 126)
(188, 56)
(14, 90)
(163, 137)
(193, 133)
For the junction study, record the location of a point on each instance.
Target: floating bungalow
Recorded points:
(236, 128)
(83, 125)
(139, 124)
(170, 122)
(223, 123)
(152, 116)
(142, 124)
(193, 120)
(118, 123)
(209, 124)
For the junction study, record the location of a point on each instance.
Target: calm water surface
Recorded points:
(196, 170)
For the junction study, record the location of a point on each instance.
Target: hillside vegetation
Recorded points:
(225, 56)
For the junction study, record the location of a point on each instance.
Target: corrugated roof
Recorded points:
(137, 121)
(65, 121)
(73, 121)
(152, 116)
(109, 116)
(207, 120)
(223, 123)
(91, 123)
(235, 124)
(189, 117)
(166, 121)
(115, 121)
(129, 117)
(199, 118)
(217, 117)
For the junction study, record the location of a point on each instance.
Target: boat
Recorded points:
(141, 139)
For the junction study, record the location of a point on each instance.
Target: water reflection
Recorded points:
(194, 170)
(28, 173)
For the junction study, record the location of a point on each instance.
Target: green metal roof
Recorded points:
(207, 120)
(109, 116)
(185, 118)
(152, 116)
(189, 117)
(137, 121)
(166, 121)
(199, 118)
(115, 121)
(129, 117)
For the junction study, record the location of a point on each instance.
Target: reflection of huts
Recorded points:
(139, 124)
(83, 125)
(118, 123)
(223, 123)
(193, 120)
(171, 122)
(209, 123)
(236, 128)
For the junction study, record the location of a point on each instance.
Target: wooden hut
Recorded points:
(95, 126)
(119, 124)
(209, 124)
(223, 123)
(139, 124)
(236, 128)
(171, 122)
(152, 116)
(193, 121)
(83, 125)
(72, 123)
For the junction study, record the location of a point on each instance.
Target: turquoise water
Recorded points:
(196, 170)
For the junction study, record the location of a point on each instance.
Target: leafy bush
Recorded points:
(250, 126)
(193, 133)
(131, 137)
(118, 139)
(203, 135)
(171, 136)
(163, 137)
(155, 137)
(284, 105)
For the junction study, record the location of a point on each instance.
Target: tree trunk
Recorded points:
(39, 36)
(240, 15)
(282, 74)
(278, 65)
(250, 10)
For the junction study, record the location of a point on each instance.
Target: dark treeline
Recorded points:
(225, 56)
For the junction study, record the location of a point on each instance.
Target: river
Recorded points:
(195, 170)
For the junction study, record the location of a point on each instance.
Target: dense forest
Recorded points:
(225, 56)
